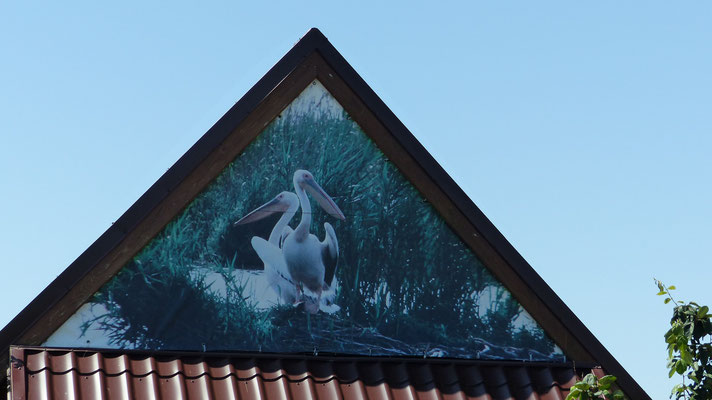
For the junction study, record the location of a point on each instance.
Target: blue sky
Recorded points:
(583, 131)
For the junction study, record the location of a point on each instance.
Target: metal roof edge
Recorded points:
(208, 375)
(312, 357)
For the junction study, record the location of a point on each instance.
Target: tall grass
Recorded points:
(404, 275)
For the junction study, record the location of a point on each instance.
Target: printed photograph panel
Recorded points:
(310, 241)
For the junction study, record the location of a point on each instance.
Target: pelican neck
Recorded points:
(276, 233)
(302, 230)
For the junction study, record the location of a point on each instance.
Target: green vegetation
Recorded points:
(407, 284)
(689, 344)
(593, 388)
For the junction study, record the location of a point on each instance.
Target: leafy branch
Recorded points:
(593, 388)
(689, 347)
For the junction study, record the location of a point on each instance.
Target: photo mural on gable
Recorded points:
(310, 241)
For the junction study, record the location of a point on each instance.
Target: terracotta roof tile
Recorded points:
(39, 373)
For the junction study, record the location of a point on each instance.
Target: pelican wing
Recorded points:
(270, 254)
(329, 254)
(275, 269)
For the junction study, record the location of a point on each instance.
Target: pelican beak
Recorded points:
(324, 199)
(271, 207)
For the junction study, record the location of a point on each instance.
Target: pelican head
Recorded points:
(305, 180)
(282, 203)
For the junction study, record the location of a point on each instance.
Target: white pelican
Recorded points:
(310, 262)
(270, 251)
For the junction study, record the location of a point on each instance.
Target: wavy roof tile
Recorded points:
(40, 373)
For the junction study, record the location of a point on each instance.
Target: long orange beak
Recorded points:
(271, 207)
(324, 199)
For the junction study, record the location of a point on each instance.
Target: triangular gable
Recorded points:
(312, 60)
(399, 281)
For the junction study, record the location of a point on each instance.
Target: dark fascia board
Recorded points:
(155, 194)
(479, 220)
(313, 41)
(315, 357)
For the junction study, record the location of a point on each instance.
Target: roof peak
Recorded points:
(313, 57)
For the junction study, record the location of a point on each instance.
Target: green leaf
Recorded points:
(689, 330)
(589, 379)
(667, 300)
(702, 312)
(671, 287)
(669, 337)
(606, 380)
(575, 393)
(685, 356)
(680, 367)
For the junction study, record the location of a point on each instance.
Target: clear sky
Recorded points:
(583, 130)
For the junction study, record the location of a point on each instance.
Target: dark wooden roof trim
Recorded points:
(153, 197)
(480, 221)
(312, 41)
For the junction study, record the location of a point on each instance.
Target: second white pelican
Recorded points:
(312, 263)
(269, 251)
